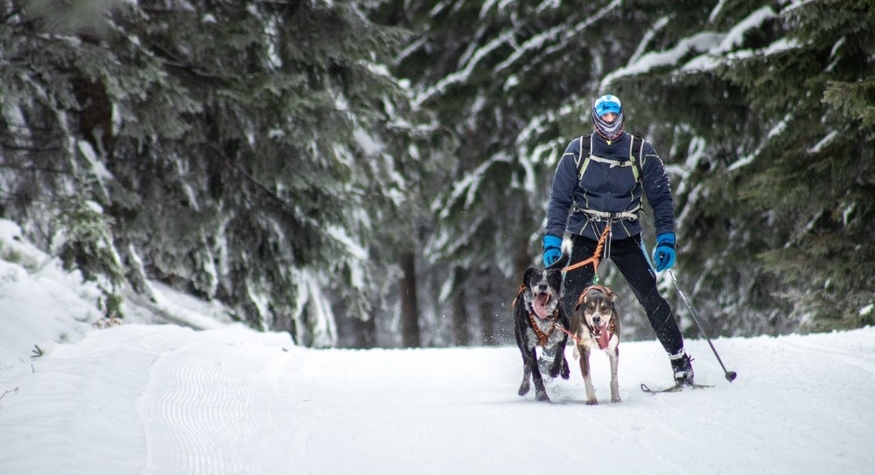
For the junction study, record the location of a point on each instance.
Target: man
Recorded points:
(609, 190)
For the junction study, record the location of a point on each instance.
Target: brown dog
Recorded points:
(595, 323)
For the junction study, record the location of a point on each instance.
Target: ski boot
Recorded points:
(681, 364)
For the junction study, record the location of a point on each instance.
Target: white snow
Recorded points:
(819, 146)
(699, 42)
(464, 72)
(164, 399)
(735, 37)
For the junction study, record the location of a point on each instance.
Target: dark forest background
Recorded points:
(375, 173)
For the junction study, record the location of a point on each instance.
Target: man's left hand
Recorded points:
(664, 254)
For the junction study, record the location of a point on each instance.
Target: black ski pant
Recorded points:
(629, 257)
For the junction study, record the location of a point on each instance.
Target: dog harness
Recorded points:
(554, 321)
(596, 256)
(600, 288)
(543, 337)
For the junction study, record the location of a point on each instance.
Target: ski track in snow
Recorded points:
(232, 401)
(210, 409)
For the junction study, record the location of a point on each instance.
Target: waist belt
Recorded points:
(606, 216)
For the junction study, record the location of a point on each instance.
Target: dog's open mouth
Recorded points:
(542, 301)
(602, 335)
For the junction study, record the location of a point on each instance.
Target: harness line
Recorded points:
(594, 260)
(596, 256)
(572, 335)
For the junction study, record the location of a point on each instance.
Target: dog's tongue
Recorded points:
(540, 307)
(603, 337)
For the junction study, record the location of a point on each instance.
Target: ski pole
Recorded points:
(730, 375)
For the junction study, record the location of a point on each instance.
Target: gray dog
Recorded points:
(539, 320)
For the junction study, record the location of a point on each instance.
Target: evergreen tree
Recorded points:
(704, 82)
(255, 153)
(513, 81)
(771, 105)
(813, 173)
(701, 124)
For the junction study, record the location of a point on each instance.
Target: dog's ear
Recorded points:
(528, 275)
(612, 295)
(554, 277)
(581, 299)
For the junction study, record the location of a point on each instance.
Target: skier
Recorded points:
(599, 181)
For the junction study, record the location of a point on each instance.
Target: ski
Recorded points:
(673, 389)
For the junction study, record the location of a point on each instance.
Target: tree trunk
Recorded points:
(523, 259)
(460, 319)
(409, 306)
(360, 333)
(488, 319)
(490, 337)
(460, 311)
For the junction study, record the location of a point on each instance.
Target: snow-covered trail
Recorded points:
(166, 400)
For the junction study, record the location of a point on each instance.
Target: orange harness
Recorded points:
(596, 256)
(600, 288)
(580, 301)
(594, 260)
(543, 337)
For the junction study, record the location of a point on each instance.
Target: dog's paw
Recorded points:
(542, 396)
(560, 368)
(524, 387)
(566, 372)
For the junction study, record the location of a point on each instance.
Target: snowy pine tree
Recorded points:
(706, 83)
(255, 153)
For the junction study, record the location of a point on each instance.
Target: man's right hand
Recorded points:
(552, 249)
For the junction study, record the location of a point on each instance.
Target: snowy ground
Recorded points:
(164, 399)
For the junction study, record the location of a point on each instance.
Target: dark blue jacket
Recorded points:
(608, 188)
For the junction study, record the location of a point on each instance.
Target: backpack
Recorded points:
(583, 158)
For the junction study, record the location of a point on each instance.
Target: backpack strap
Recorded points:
(635, 148)
(637, 164)
(583, 155)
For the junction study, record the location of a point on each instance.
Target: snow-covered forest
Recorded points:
(375, 173)
(147, 399)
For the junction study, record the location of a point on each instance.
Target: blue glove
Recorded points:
(664, 255)
(552, 249)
